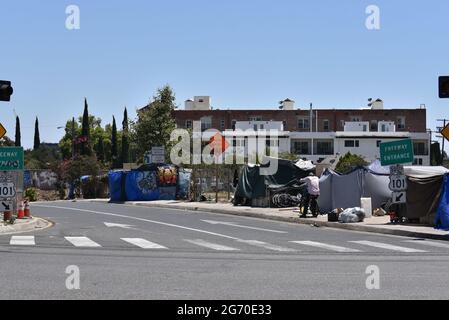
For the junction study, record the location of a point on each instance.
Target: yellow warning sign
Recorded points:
(445, 132)
(2, 131)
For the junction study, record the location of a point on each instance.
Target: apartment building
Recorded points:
(315, 134)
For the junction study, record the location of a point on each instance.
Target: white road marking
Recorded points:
(242, 226)
(82, 242)
(211, 245)
(144, 244)
(429, 243)
(325, 246)
(268, 246)
(141, 219)
(22, 241)
(118, 225)
(388, 246)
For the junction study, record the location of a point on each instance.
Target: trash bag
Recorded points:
(352, 215)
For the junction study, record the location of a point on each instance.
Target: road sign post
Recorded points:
(398, 184)
(11, 178)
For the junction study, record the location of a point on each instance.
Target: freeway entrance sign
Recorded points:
(396, 152)
(11, 159)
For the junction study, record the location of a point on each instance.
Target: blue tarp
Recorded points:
(442, 219)
(184, 178)
(116, 185)
(142, 186)
(148, 183)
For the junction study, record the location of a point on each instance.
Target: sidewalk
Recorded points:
(376, 224)
(22, 226)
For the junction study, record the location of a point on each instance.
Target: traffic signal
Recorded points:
(444, 87)
(6, 90)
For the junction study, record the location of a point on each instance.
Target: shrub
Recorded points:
(348, 162)
(31, 194)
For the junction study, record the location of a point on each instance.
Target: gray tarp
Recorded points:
(345, 191)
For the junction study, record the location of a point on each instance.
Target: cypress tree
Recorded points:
(125, 142)
(37, 139)
(85, 130)
(18, 143)
(114, 145)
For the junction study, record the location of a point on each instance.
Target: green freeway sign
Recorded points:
(11, 158)
(396, 152)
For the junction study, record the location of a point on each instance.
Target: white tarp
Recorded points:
(420, 172)
(305, 165)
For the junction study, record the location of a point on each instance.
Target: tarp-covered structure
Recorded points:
(345, 191)
(424, 193)
(253, 184)
(148, 183)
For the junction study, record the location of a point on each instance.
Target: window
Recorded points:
(303, 124)
(383, 128)
(262, 127)
(324, 147)
(255, 118)
(234, 122)
(188, 124)
(420, 148)
(255, 127)
(222, 125)
(374, 125)
(352, 143)
(301, 147)
(206, 123)
(356, 118)
(417, 162)
(326, 125)
(349, 144)
(401, 123)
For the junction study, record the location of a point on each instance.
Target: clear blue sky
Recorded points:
(242, 53)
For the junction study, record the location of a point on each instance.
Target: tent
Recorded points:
(345, 191)
(423, 193)
(442, 218)
(253, 184)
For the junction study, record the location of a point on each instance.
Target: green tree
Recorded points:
(349, 162)
(100, 149)
(155, 123)
(125, 136)
(37, 139)
(85, 130)
(114, 145)
(18, 142)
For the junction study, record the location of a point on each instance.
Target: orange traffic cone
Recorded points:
(27, 210)
(20, 211)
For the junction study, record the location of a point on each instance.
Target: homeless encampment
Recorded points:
(148, 183)
(423, 193)
(345, 191)
(253, 185)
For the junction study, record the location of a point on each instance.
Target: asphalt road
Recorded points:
(129, 252)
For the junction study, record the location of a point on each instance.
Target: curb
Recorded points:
(35, 224)
(333, 225)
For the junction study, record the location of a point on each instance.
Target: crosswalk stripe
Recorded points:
(429, 243)
(325, 246)
(82, 242)
(22, 241)
(211, 245)
(268, 246)
(388, 246)
(144, 244)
